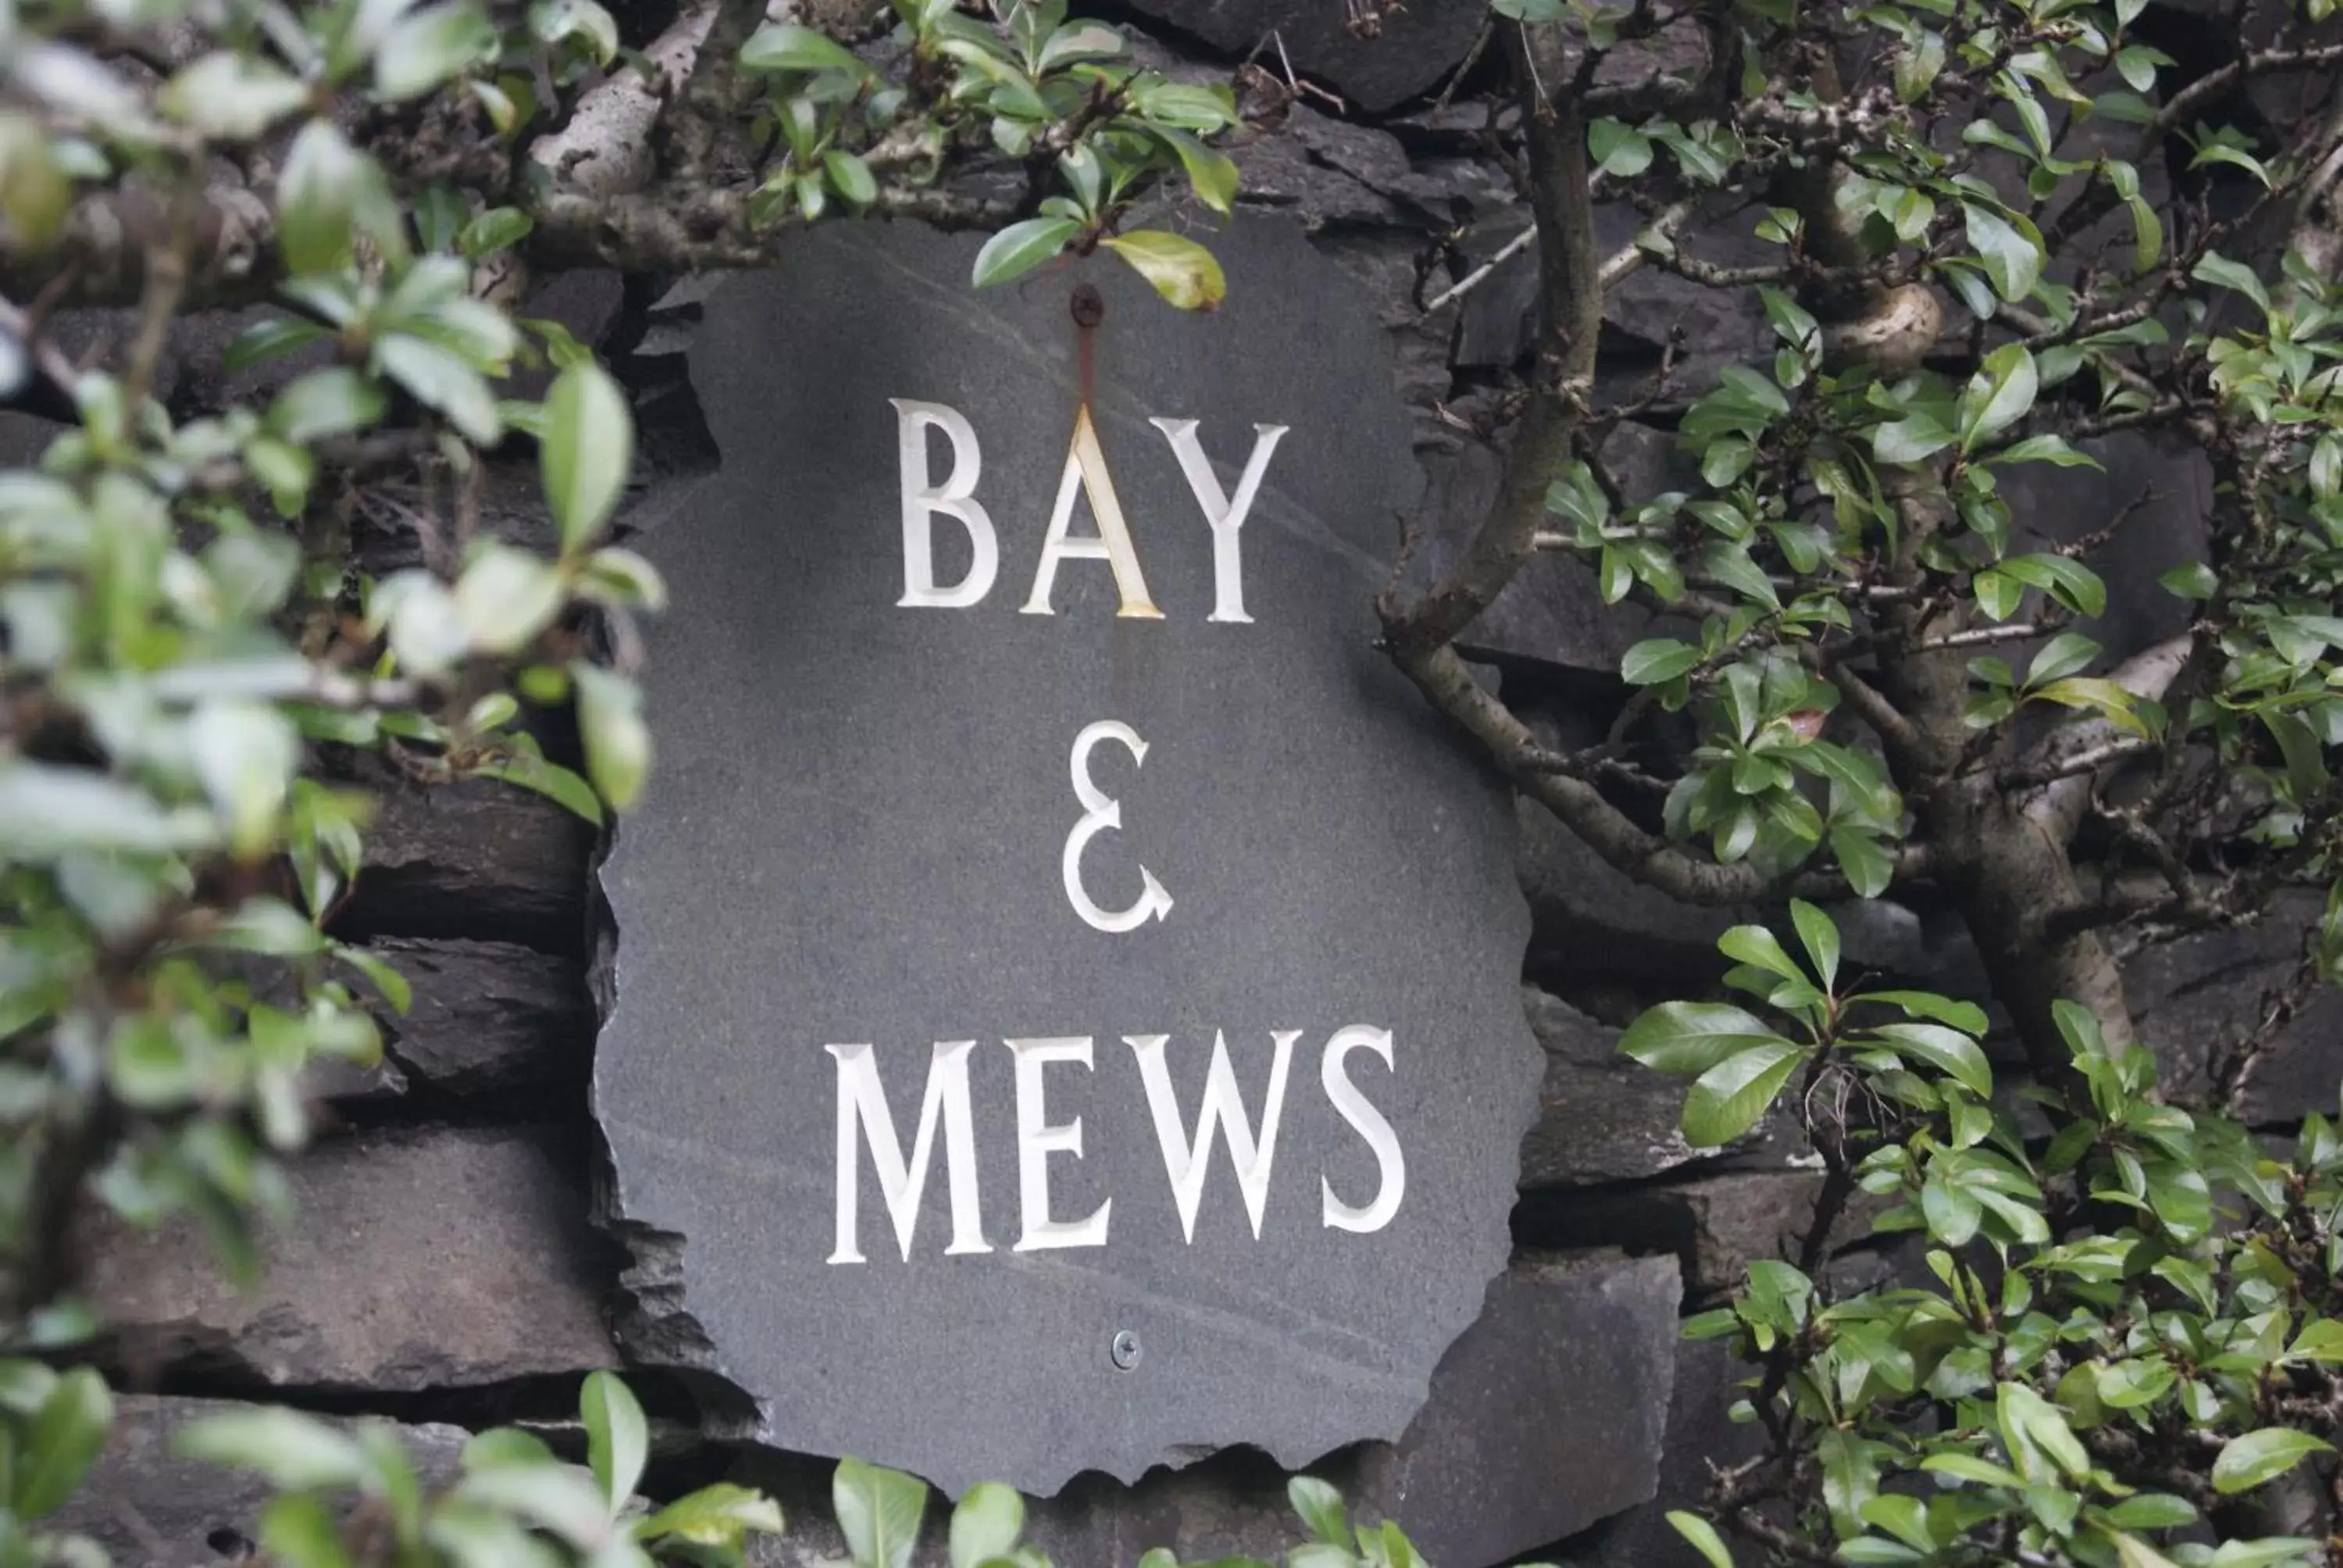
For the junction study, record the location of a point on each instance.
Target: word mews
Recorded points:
(926, 498)
(863, 1117)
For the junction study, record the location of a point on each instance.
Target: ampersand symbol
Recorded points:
(1103, 811)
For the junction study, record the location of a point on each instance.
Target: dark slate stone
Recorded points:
(1531, 1433)
(473, 858)
(856, 836)
(1701, 1434)
(1716, 1225)
(486, 1018)
(1594, 923)
(151, 1509)
(418, 1260)
(1375, 67)
(2190, 997)
(1551, 614)
(2162, 494)
(1605, 1118)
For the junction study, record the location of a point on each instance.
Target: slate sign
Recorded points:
(1067, 983)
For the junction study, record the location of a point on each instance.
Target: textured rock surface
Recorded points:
(150, 1509)
(489, 1016)
(1604, 1118)
(473, 858)
(1375, 67)
(1700, 1433)
(2186, 994)
(1714, 1224)
(1529, 1435)
(419, 1261)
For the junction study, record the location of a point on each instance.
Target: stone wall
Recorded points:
(445, 1271)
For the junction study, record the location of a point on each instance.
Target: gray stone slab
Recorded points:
(473, 858)
(485, 1018)
(1604, 1118)
(857, 835)
(1530, 1435)
(2192, 996)
(418, 1260)
(1375, 66)
(151, 1509)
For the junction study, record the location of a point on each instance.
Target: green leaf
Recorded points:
(505, 1445)
(61, 1443)
(2062, 655)
(2099, 696)
(1727, 1099)
(231, 96)
(610, 722)
(1910, 439)
(1691, 1036)
(1998, 396)
(1850, 1480)
(2012, 257)
(1320, 1506)
(330, 402)
(1756, 944)
(1180, 270)
(1948, 1050)
(297, 1453)
(269, 339)
(498, 228)
(2257, 1457)
(426, 47)
(1731, 565)
(1819, 935)
(715, 1517)
(851, 178)
(878, 1512)
(1869, 868)
(552, 1497)
(438, 378)
(299, 1531)
(1967, 1017)
(618, 1441)
(587, 451)
(1023, 247)
(2046, 449)
(786, 46)
(1703, 1535)
(2322, 1340)
(2219, 270)
(1618, 150)
(1211, 174)
(315, 198)
(1658, 660)
(986, 1524)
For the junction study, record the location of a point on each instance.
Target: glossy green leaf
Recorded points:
(1691, 1036)
(2260, 1457)
(1020, 248)
(586, 452)
(1726, 1100)
(617, 1440)
(878, 1512)
(1180, 269)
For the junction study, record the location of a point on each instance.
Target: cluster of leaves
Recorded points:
(2129, 1343)
(1060, 96)
(352, 1497)
(1800, 546)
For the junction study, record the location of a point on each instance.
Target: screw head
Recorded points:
(1124, 1349)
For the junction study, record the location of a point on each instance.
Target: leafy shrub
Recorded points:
(2127, 1350)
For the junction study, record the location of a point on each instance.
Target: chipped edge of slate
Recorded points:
(654, 1324)
(650, 1314)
